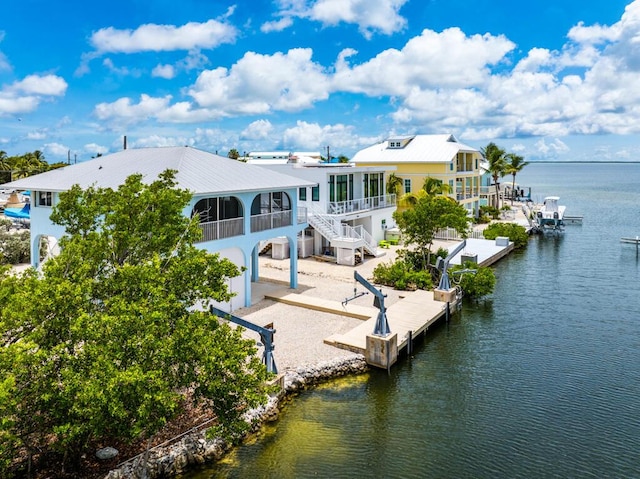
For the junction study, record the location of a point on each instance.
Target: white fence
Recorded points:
(451, 234)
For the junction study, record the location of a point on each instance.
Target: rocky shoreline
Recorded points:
(195, 449)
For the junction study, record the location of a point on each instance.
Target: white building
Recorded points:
(282, 157)
(240, 206)
(348, 208)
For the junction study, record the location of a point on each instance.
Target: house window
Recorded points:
(315, 193)
(216, 209)
(302, 194)
(451, 166)
(373, 184)
(407, 185)
(265, 203)
(351, 186)
(338, 187)
(45, 198)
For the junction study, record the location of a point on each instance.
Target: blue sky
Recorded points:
(550, 80)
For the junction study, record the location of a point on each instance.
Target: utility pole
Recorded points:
(328, 155)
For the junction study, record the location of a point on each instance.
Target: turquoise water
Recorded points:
(540, 380)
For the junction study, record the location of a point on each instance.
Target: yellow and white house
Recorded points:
(441, 157)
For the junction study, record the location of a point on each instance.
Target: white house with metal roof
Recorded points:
(239, 205)
(348, 208)
(441, 157)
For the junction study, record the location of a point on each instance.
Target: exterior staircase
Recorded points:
(340, 234)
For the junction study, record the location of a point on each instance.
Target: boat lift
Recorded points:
(382, 325)
(443, 265)
(266, 336)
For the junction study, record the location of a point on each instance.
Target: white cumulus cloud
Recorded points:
(430, 60)
(156, 38)
(259, 84)
(257, 130)
(47, 85)
(56, 149)
(371, 16)
(307, 135)
(164, 71)
(26, 95)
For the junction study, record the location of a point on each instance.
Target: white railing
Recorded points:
(465, 193)
(333, 229)
(302, 215)
(361, 204)
(214, 230)
(268, 221)
(449, 234)
(329, 227)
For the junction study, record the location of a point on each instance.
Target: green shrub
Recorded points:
(421, 279)
(442, 253)
(489, 211)
(15, 248)
(515, 233)
(478, 284)
(400, 275)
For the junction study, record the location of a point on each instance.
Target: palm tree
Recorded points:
(495, 156)
(394, 183)
(434, 187)
(5, 165)
(431, 187)
(515, 163)
(410, 199)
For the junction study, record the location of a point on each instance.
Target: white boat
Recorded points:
(550, 216)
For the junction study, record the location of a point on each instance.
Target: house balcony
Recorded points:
(269, 221)
(215, 230)
(487, 191)
(361, 204)
(465, 194)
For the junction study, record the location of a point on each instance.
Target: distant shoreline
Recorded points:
(585, 161)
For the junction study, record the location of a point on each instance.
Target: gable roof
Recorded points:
(197, 171)
(416, 149)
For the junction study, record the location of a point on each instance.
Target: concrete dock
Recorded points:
(410, 316)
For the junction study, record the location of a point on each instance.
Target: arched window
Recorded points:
(270, 203)
(217, 209)
(219, 217)
(271, 210)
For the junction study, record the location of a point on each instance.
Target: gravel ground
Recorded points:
(300, 332)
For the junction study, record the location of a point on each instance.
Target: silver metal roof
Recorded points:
(197, 171)
(421, 149)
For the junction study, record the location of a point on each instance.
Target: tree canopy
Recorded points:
(431, 187)
(420, 223)
(394, 184)
(21, 166)
(113, 338)
(495, 157)
(514, 165)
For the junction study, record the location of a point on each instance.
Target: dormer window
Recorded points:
(399, 142)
